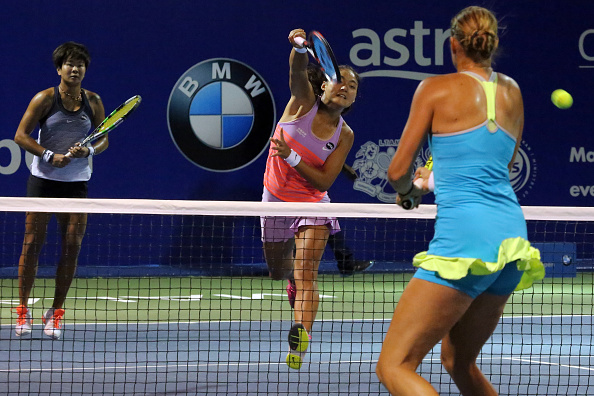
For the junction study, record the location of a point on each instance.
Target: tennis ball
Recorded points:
(561, 98)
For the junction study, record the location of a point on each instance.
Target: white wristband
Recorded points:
(91, 151)
(431, 183)
(47, 156)
(293, 159)
(301, 50)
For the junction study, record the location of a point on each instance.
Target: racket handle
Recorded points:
(408, 203)
(301, 41)
(68, 154)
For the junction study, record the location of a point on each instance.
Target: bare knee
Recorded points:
(447, 361)
(305, 270)
(280, 269)
(279, 273)
(380, 371)
(383, 370)
(456, 366)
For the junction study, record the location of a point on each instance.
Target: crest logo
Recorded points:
(373, 160)
(221, 114)
(524, 171)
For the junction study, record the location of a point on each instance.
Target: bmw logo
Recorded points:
(221, 114)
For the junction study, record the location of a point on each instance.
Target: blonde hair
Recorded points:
(476, 30)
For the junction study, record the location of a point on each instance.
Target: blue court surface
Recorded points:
(528, 355)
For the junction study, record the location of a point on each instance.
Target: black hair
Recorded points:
(71, 50)
(316, 78)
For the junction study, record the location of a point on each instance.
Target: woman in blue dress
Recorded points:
(473, 120)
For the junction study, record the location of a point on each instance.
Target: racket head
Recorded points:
(324, 56)
(114, 118)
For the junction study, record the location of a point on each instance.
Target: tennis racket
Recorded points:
(113, 120)
(321, 51)
(408, 203)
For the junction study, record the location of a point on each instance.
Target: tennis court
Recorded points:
(227, 336)
(180, 303)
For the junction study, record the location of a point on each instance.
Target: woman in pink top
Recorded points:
(307, 152)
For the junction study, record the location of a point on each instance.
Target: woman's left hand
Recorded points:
(79, 151)
(282, 148)
(423, 175)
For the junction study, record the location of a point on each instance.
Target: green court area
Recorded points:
(362, 297)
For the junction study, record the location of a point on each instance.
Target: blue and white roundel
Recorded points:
(221, 115)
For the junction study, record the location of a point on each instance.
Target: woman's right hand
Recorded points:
(60, 160)
(415, 197)
(296, 33)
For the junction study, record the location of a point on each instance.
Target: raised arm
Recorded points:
(302, 94)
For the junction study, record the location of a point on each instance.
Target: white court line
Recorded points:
(537, 362)
(238, 364)
(176, 365)
(69, 323)
(531, 361)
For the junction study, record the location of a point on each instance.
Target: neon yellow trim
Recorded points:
(490, 90)
(527, 259)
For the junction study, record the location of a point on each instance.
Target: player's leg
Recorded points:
(72, 231)
(462, 345)
(310, 243)
(279, 244)
(279, 258)
(425, 313)
(35, 231)
(279, 250)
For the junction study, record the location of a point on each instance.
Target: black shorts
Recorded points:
(44, 188)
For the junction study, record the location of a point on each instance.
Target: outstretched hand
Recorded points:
(280, 146)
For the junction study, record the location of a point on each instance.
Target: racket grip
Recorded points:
(68, 154)
(407, 203)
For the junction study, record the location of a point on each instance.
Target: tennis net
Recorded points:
(173, 297)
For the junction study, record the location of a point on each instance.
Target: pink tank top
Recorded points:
(280, 178)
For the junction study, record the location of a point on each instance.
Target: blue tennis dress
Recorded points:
(480, 226)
